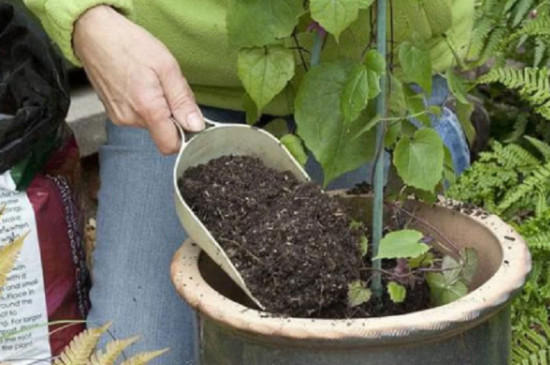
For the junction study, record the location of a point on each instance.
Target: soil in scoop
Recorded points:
(290, 241)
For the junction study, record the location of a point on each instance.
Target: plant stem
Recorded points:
(378, 206)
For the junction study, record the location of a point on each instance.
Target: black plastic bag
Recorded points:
(34, 96)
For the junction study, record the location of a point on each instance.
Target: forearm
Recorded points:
(58, 17)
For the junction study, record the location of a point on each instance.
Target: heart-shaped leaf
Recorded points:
(358, 293)
(419, 160)
(397, 292)
(265, 71)
(401, 244)
(261, 22)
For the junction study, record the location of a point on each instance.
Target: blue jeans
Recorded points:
(137, 234)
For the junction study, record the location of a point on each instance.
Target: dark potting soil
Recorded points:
(291, 242)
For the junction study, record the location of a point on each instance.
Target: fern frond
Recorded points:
(494, 43)
(520, 11)
(532, 84)
(479, 36)
(81, 347)
(539, 242)
(542, 204)
(542, 147)
(519, 128)
(112, 351)
(531, 348)
(539, 27)
(8, 256)
(539, 177)
(509, 5)
(144, 357)
(521, 156)
(540, 52)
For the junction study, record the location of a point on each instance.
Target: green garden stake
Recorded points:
(378, 206)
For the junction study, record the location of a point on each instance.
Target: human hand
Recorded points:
(137, 78)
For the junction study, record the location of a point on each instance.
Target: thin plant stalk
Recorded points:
(378, 206)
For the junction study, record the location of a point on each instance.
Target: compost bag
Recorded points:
(39, 174)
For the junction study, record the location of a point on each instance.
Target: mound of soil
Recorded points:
(291, 242)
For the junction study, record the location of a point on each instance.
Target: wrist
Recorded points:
(92, 19)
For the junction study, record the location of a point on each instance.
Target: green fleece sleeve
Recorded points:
(58, 18)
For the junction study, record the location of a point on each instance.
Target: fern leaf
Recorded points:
(479, 36)
(144, 357)
(532, 84)
(542, 147)
(540, 52)
(112, 351)
(542, 204)
(489, 6)
(539, 27)
(519, 128)
(531, 348)
(8, 256)
(521, 156)
(520, 11)
(494, 43)
(539, 242)
(509, 5)
(538, 178)
(81, 347)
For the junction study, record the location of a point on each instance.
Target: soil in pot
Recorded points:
(295, 246)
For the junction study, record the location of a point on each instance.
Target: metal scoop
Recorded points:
(223, 139)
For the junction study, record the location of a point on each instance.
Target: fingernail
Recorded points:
(195, 121)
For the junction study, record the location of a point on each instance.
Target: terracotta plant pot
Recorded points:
(474, 330)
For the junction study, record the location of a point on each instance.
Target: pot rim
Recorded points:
(465, 312)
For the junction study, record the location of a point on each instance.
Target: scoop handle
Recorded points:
(182, 133)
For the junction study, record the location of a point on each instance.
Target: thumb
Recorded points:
(180, 98)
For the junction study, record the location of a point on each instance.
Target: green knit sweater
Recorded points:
(195, 32)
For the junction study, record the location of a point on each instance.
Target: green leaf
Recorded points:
(363, 245)
(442, 291)
(397, 292)
(435, 110)
(393, 133)
(370, 125)
(278, 127)
(425, 260)
(374, 84)
(464, 115)
(355, 95)
(396, 97)
(457, 87)
(448, 168)
(261, 22)
(358, 293)
(401, 244)
(356, 225)
(375, 62)
(419, 160)
(294, 145)
(417, 65)
(337, 15)
(265, 72)
(451, 269)
(471, 263)
(408, 129)
(416, 105)
(250, 109)
(336, 145)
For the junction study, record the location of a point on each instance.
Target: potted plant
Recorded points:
(343, 127)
